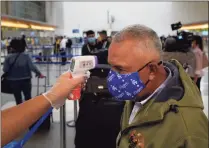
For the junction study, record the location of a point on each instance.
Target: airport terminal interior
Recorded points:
(46, 25)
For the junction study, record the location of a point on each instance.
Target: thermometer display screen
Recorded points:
(86, 64)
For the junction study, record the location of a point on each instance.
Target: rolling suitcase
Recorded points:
(98, 122)
(47, 122)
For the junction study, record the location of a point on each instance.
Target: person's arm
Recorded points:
(6, 65)
(84, 50)
(25, 44)
(33, 67)
(70, 43)
(198, 66)
(17, 119)
(108, 44)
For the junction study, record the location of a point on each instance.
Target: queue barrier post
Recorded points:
(72, 122)
(62, 127)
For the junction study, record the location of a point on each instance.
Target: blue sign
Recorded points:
(205, 33)
(75, 30)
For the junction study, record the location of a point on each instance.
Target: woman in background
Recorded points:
(197, 48)
(19, 75)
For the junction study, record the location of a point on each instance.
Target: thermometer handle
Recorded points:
(76, 93)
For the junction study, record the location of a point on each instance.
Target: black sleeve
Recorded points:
(84, 50)
(99, 45)
(70, 42)
(102, 57)
(33, 66)
(108, 44)
(24, 43)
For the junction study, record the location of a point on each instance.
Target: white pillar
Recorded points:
(48, 12)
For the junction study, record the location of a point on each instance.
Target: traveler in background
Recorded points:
(68, 47)
(63, 49)
(162, 38)
(163, 106)
(103, 42)
(20, 74)
(80, 40)
(91, 46)
(57, 47)
(172, 51)
(103, 45)
(24, 44)
(197, 48)
(39, 57)
(7, 42)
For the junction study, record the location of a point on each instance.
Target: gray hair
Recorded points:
(140, 33)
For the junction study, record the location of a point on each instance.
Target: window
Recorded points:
(34, 10)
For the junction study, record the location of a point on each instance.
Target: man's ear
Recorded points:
(153, 68)
(153, 71)
(151, 76)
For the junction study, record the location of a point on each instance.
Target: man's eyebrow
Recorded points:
(118, 66)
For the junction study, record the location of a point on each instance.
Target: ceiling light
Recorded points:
(203, 26)
(12, 24)
(42, 28)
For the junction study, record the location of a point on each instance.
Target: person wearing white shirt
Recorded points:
(62, 49)
(63, 43)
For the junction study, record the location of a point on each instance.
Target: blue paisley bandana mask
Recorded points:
(125, 86)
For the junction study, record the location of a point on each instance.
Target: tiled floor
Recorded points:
(52, 138)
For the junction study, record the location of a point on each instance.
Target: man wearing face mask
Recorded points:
(164, 107)
(103, 43)
(90, 47)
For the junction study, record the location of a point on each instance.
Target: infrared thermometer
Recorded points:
(80, 66)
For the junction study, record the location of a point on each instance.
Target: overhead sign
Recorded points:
(75, 30)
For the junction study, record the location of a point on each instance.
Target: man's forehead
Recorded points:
(125, 52)
(125, 49)
(122, 48)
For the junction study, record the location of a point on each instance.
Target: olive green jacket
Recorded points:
(169, 124)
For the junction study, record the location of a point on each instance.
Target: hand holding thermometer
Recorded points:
(80, 65)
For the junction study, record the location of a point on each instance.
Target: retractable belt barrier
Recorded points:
(54, 56)
(51, 47)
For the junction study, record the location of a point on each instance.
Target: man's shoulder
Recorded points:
(188, 121)
(193, 118)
